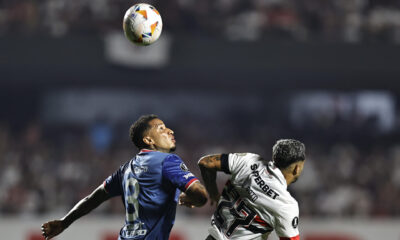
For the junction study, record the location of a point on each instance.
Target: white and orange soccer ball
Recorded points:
(142, 24)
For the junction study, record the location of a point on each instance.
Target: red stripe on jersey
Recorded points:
(104, 185)
(190, 183)
(146, 150)
(258, 220)
(291, 238)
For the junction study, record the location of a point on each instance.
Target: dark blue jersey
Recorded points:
(150, 185)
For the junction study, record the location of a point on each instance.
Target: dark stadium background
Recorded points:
(226, 76)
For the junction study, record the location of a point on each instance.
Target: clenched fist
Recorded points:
(53, 228)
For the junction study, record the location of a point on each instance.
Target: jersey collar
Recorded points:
(146, 150)
(277, 172)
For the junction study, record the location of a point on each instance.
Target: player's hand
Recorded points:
(184, 200)
(214, 198)
(52, 229)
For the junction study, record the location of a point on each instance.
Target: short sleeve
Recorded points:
(236, 162)
(287, 223)
(113, 184)
(176, 172)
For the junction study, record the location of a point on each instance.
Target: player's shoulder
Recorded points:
(246, 155)
(162, 155)
(241, 164)
(287, 203)
(155, 158)
(245, 158)
(120, 172)
(124, 166)
(171, 158)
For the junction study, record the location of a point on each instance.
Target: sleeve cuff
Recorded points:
(190, 183)
(225, 163)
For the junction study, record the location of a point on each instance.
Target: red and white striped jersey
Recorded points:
(254, 202)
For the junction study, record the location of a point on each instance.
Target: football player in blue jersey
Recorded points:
(150, 186)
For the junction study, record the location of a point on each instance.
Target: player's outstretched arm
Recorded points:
(195, 196)
(209, 165)
(83, 207)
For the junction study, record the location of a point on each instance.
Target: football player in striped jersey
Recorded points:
(150, 185)
(255, 200)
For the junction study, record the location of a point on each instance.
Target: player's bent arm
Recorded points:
(86, 205)
(195, 195)
(211, 162)
(83, 207)
(209, 165)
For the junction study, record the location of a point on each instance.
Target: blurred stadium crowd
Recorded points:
(49, 169)
(352, 169)
(331, 20)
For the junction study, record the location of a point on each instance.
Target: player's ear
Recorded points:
(148, 140)
(296, 169)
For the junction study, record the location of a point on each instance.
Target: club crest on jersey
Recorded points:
(184, 167)
(295, 222)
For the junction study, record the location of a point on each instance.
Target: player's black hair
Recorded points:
(288, 151)
(138, 128)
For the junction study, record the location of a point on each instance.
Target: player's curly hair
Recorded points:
(288, 151)
(138, 129)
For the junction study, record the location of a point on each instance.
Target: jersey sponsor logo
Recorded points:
(261, 183)
(295, 222)
(184, 167)
(188, 175)
(140, 169)
(133, 230)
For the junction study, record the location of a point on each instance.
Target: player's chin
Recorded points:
(172, 149)
(295, 179)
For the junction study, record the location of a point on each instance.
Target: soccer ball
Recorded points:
(142, 24)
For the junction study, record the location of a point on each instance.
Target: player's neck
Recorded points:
(288, 177)
(159, 149)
